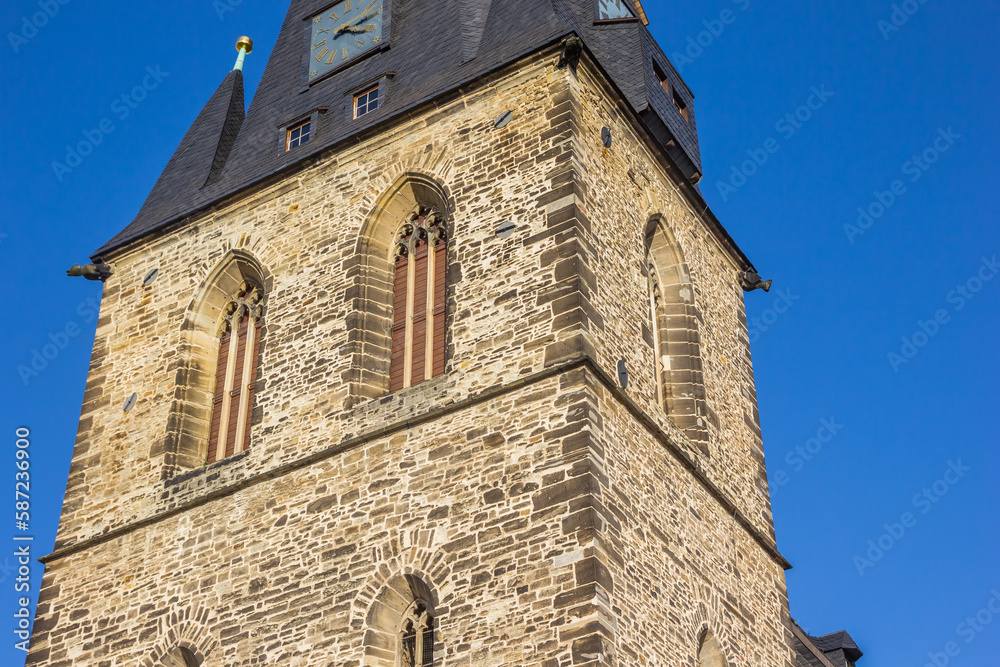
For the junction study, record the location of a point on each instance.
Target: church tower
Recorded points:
(436, 356)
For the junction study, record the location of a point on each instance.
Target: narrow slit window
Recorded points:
(408, 647)
(681, 106)
(662, 78)
(298, 135)
(366, 102)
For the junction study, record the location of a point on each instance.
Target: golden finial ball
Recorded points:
(244, 43)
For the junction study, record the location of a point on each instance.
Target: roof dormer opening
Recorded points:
(298, 135)
(366, 101)
(614, 10)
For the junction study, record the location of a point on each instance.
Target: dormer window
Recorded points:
(298, 135)
(614, 10)
(366, 102)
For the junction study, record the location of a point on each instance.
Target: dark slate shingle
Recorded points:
(838, 641)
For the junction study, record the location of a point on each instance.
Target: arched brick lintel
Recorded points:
(709, 628)
(183, 641)
(710, 652)
(423, 563)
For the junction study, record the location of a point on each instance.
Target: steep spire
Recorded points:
(202, 154)
(235, 114)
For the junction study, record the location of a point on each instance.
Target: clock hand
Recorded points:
(342, 27)
(361, 19)
(365, 28)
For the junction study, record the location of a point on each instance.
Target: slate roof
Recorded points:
(807, 656)
(435, 47)
(833, 650)
(204, 150)
(838, 641)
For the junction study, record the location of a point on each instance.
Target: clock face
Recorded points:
(613, 9)
(344, 32)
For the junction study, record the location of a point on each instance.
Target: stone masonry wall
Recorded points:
(622, 189)
(680, 563)
(279, 573)
(555, 528)
(305, 233)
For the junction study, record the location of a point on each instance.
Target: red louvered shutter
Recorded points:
(398, 362)
(440, 299)
(419, 340)
(252, 380)
(234, 400)
(217, 401)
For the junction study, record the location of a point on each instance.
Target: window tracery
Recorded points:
(416, 637)
(240, 332)
(419, 296)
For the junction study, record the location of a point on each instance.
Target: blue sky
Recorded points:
(819, 109)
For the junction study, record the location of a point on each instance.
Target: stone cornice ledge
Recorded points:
(580, 361)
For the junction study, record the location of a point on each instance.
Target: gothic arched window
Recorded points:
(710, 654)
(240, 331)
(416, 637)
(401, 625)
(655, 309)
(179, 657)
(676, 339)
(418, 303)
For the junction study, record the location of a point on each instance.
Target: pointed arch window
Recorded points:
(416, 637)
(180, 657)
(674, 316)
(240, 331)
(418, 303)
(711, 654)
(655, 310)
